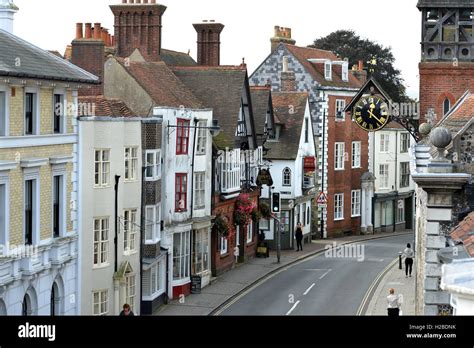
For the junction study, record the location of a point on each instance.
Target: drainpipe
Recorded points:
(191, 241)
(117, 180)
(395, 203)
(142, 239)
(322, 172)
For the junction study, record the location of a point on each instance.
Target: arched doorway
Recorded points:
(57, 298)
(30, 303)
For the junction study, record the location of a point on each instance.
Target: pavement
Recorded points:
(394, 278)
(224, 289)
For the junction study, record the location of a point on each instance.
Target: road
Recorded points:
(322, 285)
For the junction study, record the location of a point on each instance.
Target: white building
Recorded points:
(186, 195)
(292, 166)
(110, 152)
(389, 161)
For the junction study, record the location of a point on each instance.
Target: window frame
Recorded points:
(4, 111)
(338, 198)
(130, 231)
(5, 210)
(35, 209)
(339, 109)
(199, 191)
(101, 163)
(35, 124)
(404, 142)
(131, 162)
(201, 146)
(384, 143)
(201, 237)
(181, 183)
(404, 175)
(103, 244)
(328, 70)
(62, 205)
(446, 110)
(356, 155)
(184, 256)
(129, 285)
(384, 176)
(101, 301)
(250, 233)
(223, 241)
(345, 72)
(155, 165)
(339, 164)
(155, 224)
(182, 136)
(356, 197)
(63, 114)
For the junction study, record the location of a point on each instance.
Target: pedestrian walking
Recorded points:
(127, 312)
(409, 255)
(299, 237)
(394, 303)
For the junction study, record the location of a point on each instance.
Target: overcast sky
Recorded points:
(50, 24)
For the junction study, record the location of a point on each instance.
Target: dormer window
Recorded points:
(328, 70)
(345, 72)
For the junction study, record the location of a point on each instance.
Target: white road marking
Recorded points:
(293, 308)
(315, 270)
(325, 274)
(309, 289)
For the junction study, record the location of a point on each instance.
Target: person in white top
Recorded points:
(409, 255)
(394, 302)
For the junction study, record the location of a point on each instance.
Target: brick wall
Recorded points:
(441, 80)
(89, 55)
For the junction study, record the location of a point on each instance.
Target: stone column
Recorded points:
(368, 180)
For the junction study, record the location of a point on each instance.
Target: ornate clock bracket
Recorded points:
(412, 126)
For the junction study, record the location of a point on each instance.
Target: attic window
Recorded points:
(328, 70)
(345, 72)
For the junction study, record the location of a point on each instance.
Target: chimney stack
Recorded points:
(281, 35)
(138, 26)
(88, 53)
(209, 43)
(288, 79)
(7, 12)
(359, 72)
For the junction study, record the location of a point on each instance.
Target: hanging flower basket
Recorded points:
(244, 208)
(256, 215)
(265, 211)
(221, 225)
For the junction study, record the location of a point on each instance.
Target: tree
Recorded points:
(346, 44)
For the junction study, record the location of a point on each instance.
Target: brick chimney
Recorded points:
(281, 35)
(288, 79)
(138, 26)
(88, 53)
(209, 43)
(359, 72)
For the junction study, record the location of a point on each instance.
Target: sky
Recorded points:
(50, 24)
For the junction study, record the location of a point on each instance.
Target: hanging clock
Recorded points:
(371, 113)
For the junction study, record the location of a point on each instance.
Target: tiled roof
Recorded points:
(220, 88)
(461, 114)
(176, 58)
(109, 107)
(317, 70)
(465, 232)
(288, 143)
(161, 84)
(260, 104)
(444, 3)
(19, 58)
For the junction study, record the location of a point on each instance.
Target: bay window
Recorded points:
(181, 251)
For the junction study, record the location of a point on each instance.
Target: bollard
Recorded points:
(400, 260)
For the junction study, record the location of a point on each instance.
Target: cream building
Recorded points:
(38, 178)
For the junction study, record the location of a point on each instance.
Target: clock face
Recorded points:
(371, 113)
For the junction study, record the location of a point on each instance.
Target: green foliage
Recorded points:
(347, 44)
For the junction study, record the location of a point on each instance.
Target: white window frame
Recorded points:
(356, 196)
(5, 108)
(131, 159)
(356, 154)
(201, 236)
(328, 70)
(130, 231)
(103, 300)
(63, 124)
(201, 147)
(339, 206)
(384, 176)
(130, 290)
(103, 244)
(35, 176)
(199, 191)
(184, 256)
(340, 106)
(406, 174)
(156, 275)
(401, 213)
(156, 165)
(404, 142)
(339, 155)
(224, 245)
(36, 110)
(102, 165)
(5, 208)
(63, 199)
(154, 223)
(345, 72)
(384, 143)
(250, 233)
(286, 174)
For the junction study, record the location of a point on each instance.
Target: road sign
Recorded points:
(322, 206)
(322, 199)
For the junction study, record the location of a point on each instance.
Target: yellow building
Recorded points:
(38, 179)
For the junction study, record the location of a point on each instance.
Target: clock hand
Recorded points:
(376, 118)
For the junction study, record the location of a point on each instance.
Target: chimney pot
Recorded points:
(88, 34)
(97, 31)
(361, 65)
(79, 31)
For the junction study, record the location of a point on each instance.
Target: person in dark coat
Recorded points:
(299, 237)
(126, 311)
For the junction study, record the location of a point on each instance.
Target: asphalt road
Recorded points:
(322, 285)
